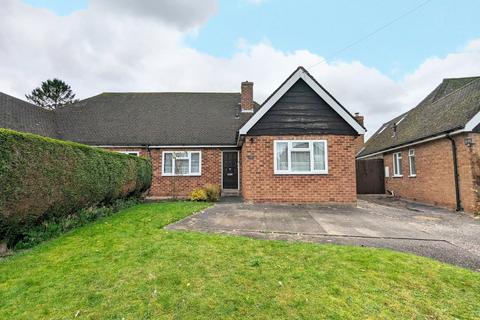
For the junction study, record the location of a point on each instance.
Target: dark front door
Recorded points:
(230, 170)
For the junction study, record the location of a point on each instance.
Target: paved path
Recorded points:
(437, 233)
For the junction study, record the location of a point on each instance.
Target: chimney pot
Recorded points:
(246, 96)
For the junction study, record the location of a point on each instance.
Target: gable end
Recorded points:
(301, 111)
(301, 106)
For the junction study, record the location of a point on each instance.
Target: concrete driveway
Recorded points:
(376, 222)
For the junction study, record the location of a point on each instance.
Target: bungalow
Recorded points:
(432, 152)
(299, 146)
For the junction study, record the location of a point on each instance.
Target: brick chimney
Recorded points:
(360, 140)
(246, 97)
(359, 118)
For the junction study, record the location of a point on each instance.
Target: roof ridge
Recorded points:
(31, 105)
(472, 77)
(156, 92)
(458, 89)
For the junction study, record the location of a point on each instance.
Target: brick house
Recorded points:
(431, 153)
(299, 146)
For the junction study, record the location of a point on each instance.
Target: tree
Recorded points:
(52, 94)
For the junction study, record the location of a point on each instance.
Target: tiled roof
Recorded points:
(447, 108)
(136, 119)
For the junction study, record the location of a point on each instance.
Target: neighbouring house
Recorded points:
(299, 146)
(431, 153)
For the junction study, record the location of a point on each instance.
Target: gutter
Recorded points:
(412, 143)
(169, 146)
(458, 201)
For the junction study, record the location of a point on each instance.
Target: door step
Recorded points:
(230, 193)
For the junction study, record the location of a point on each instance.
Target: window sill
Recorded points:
(300, 173)
(397, 176)
(412, 176)
(180, 175)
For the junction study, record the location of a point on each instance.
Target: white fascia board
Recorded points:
(412, 144)
(271, 101)
(332, 103)
(301, 74)
(473, 122)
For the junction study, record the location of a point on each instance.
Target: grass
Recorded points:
(127, 267)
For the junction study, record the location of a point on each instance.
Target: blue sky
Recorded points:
(323, 27)
(146, 45)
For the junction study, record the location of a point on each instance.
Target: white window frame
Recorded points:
(137, 153)
(289, 151)
(411, 154)
(396, 171)
(188, 157)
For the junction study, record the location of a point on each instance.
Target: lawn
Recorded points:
(127, 267)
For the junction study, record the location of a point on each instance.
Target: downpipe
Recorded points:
(458, 201)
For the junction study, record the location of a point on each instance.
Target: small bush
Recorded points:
(213, 192)
(209, 192)
(199, 194)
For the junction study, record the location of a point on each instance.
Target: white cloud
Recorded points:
(98, 50)
(464, 63)
(179, 13)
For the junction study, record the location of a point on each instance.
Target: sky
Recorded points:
(213, 45)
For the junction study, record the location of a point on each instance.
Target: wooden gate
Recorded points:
(370, 176)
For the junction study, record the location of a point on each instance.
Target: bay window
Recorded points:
(300, 157)
(181, 163)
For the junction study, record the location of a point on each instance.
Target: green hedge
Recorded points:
(42, 178)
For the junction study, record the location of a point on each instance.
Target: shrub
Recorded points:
(55, 226)
(209, 192)
(43, 179)
(199, 194)
(213, 192)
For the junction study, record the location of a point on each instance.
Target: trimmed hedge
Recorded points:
(43, 178)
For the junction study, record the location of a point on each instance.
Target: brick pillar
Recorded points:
(360, 140)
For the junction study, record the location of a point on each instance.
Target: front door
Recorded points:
(230, 170)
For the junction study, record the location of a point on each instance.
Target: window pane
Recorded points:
(395, 164)
(182, 154)
(282, 156)
(413, 168)
(195, 158)
(399, 165)
(296, 145)
(301, 161)
(181, 166)
(167, 166)
(318, 156)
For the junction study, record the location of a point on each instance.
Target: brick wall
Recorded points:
(434, 182)
(359, 143)
(163, 186)
(360, 140)
(260, 184)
